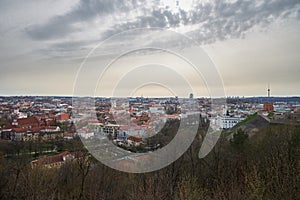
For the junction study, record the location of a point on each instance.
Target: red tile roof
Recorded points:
(19, 130)
(52, 159)
(135, 138)
(57, 158)
(63, 116)
(30, 121)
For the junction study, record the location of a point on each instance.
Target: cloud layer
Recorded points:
(43, 42)
(204, 21)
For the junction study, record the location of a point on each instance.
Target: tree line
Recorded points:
(265, 166)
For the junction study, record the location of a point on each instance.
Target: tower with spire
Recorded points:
(268, 106)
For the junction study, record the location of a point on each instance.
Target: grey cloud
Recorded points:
(65, 50)
(60, 26)
(217, 20)
(214, 20)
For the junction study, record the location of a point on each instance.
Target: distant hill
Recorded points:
(263, 99)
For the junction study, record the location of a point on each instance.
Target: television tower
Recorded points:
(268, 106)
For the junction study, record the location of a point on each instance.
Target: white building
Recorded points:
(227, 122)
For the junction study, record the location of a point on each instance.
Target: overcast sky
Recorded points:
(251, 43)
